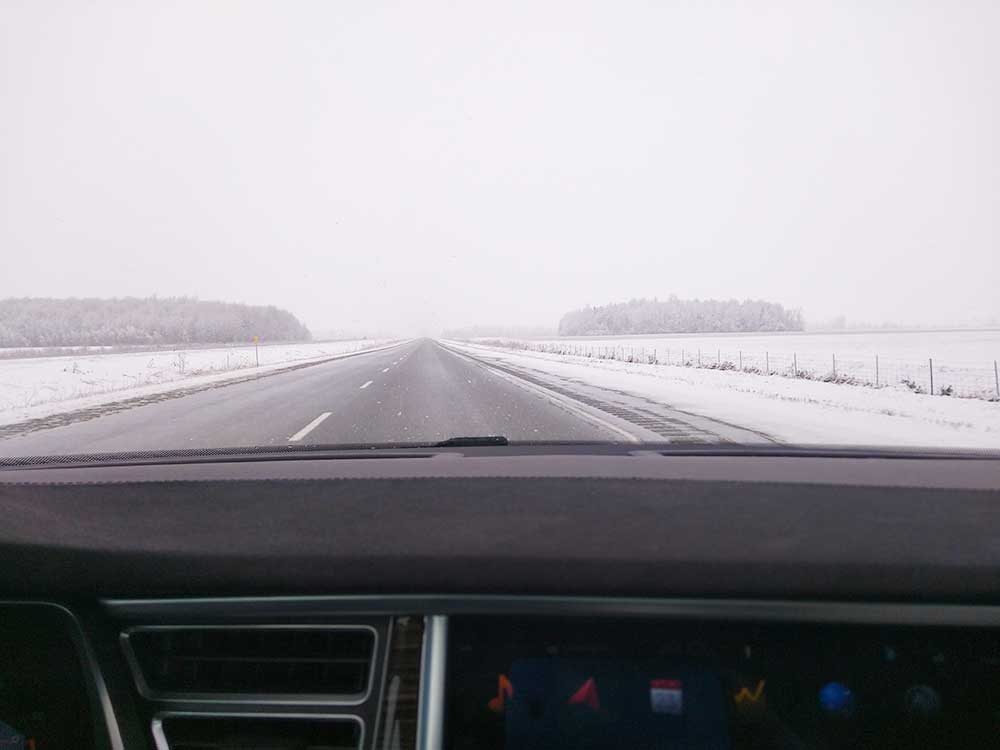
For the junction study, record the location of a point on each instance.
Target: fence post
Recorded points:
(741, 360)
(682, 357)
(834, 366)
(795, 364)
(996, 378)
(930, 369)
(876, 371)
(767, 362)
(718, 356)
(699, 358)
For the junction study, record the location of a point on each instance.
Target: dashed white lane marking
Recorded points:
(386, 370)
(366, 385)
(309, 427)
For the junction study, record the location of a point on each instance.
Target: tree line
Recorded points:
(675, 315)
(503, 331)
(45, 322)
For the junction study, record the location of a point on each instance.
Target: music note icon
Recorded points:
(504, 690)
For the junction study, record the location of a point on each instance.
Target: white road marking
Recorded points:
(366, 385)
(309, 427)
(386, 370)
(564, 401)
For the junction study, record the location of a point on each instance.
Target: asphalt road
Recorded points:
(420, 391)
(416, 392)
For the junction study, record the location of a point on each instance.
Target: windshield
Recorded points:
(362, 223)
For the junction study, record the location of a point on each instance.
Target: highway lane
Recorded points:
(416, 392)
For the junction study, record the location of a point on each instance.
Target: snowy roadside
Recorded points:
(41, 387)
(790, 410)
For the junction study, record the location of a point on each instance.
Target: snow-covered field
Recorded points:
(33, 385)
(787, 409)
(963, 360)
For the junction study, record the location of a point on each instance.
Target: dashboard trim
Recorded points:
(244, 608)
(160, 739)
(271, 699)
(383, 686)
(433, 663)
(90, 665)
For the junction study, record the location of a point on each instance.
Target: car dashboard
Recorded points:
(440, 601)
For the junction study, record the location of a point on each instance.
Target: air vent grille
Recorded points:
(257, 733)
(253, 661)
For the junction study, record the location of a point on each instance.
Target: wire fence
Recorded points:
(959, 379)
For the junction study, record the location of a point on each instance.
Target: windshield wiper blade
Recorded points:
(474, 441)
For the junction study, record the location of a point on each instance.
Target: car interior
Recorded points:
(500, 596)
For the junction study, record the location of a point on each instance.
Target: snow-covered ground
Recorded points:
(39, 386)
(787, 409)
(962, 359)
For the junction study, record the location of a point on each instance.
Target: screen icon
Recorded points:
(504, 691)
(586, 695)
(747, 697)
(666, 696)
(922, 700)
(836, 699)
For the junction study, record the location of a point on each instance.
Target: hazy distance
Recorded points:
(415, 167)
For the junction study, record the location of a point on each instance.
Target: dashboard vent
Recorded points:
(329, 662)
(187, 732)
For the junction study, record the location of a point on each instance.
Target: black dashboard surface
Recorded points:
(893, 528)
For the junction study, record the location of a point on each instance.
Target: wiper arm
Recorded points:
(473, 441)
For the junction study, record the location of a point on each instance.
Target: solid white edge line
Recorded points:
(566, 403)
(367, 384)
(309, 427)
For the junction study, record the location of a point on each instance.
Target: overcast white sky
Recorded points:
(419, 165)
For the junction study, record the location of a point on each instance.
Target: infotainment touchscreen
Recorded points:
(647, 685)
